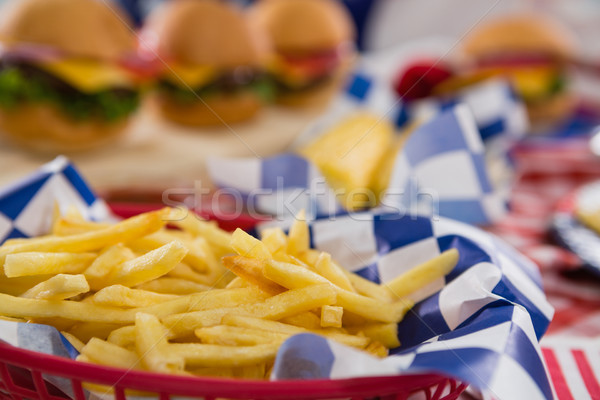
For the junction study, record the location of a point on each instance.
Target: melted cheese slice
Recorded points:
(287, 72)
(89, 75)
(192, 76)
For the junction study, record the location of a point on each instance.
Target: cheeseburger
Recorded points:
(312, 43)
(533, 52)
(211, 62)
(65, 77)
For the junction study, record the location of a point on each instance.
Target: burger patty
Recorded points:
(228, 82)
(285, 88)
(21, 82)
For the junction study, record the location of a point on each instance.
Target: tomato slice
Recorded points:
(418, 80)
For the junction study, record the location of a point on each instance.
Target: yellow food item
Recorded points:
(89, 76)
(193, 76)
(349, 156)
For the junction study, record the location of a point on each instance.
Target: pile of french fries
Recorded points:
(192, 299)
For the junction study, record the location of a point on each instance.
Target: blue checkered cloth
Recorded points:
(440, 170)
(26, 205)
(480, 324)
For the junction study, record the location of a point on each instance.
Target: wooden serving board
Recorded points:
(156, 154)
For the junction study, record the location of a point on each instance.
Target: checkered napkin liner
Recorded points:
(441, 170)
(480, 324)
(26, 205)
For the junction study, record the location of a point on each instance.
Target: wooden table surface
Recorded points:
(156, 154)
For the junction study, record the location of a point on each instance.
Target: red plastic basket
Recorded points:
(24, 374)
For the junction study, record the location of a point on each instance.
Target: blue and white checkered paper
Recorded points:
(26, 206)
(441, 170)
(480, 324)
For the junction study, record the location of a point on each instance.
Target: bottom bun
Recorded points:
(216, 110)
(42, 127)
(552, 111)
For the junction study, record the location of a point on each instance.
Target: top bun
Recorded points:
(522, 33)
(303, 25)
(204, 32)
(81, 28)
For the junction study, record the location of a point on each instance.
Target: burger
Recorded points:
(533, 52)
(67, 79)
(211, 61)
(312, 43)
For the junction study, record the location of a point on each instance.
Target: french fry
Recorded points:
(193, 258)
(325, 267)
(368, 288)
(184, 323)
(257, 371)
(59, 287)
(219, 274)
(279, 327)
(152, 347)
(237, 336)
(124, 231)
(122, 296)
(377, 349)
(123, 337)
(293, 302)
(42, 263)
(275, 239)
(294, 277)
(306, 320)
(77, 311)
(226, 298)
(151, 265)
(248, 246)
(168, 285)
(211, 355)
(185, 272)
(68, 226)
(106, 262)
(198, 227)
(331, 316)
(110, 354)
(237, 283)
(251, 270)
(387, 334)
(298, 238)
(280, 306)
(423, 274)
(372, 309)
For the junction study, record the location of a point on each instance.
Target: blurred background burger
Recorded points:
(533, 51)
(211, 60)
(65, 81)
(312, 47)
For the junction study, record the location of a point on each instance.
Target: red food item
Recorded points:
(315, 64)
(417, 80)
